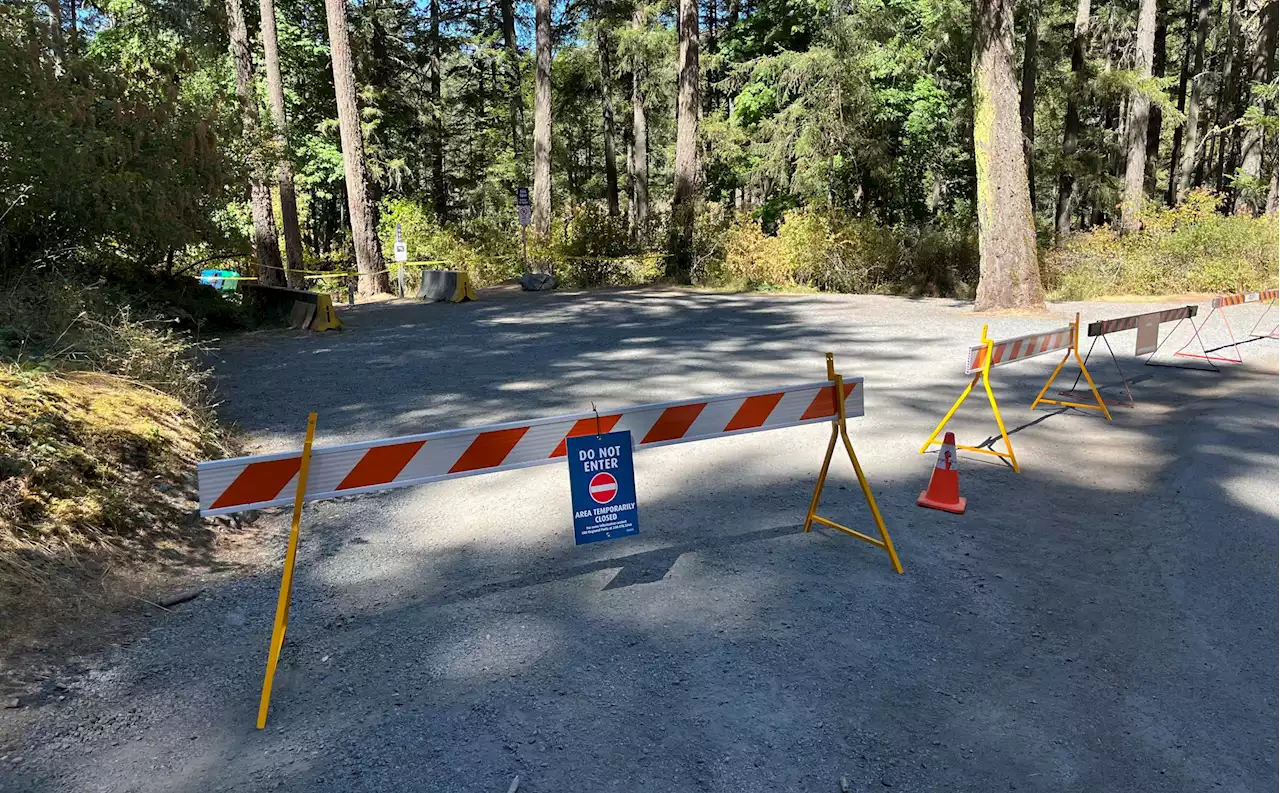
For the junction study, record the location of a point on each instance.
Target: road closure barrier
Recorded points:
(302, 309)
(1217, 308)
(453, 286)
(314, 474)
(989, 353)
(1148, 342)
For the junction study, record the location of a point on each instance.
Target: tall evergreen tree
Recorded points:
(360, 207)
(1009, 274)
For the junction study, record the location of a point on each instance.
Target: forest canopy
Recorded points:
(821, 143)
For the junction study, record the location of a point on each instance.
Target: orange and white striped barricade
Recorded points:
(1148, 342)
(1217, 306)
(268, 480)
(989, 353)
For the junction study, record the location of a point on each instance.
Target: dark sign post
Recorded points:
(602, 485)
(525, 208)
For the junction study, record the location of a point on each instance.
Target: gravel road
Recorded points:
(1104, 621)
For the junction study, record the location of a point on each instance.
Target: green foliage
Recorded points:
(1188, 248)
(118, 149)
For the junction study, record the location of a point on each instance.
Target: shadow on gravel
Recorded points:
(1105, 621)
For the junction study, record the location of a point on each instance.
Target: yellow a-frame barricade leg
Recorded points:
(286, 581)
(1074, 350)
(840, 430)
(985, 376)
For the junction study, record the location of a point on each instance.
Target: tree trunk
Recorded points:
(1139, 116)
(639, 138)
(1027, 107)
(1009, 276)
(1260, 74)
(360, 206)
(1191, 140)
(683, 211)
(284, 171)
(542, 123)
(1171, 193)
(266, 244)
(1071, 127)
(439, 195)
(1223, 106)
(513, 73)
(603, 44)
(1273, 195)
(1156, 115)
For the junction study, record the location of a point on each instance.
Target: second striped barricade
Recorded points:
(990, 353)
(1217, 307)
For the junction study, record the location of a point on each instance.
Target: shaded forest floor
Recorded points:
(1105, 620)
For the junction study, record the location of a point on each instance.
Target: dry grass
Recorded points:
(97, 503)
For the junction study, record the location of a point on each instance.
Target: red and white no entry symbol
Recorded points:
(603, 488)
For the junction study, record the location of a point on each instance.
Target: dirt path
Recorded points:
(1107, 620)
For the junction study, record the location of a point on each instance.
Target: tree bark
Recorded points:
(360, 206)
(439, 194)
(1260, 74)
(1071, 126)
(284, 167)
(1273, 195)
(1191, 140)
(604, 45)
(1156, 115)
(542, 122)
(1027, 107)
(1009, 275)
(513, 73)
(1171, 193)
(683, 211)
(266, 244)
(639, 137)
(1223, 106)
(1139, 116)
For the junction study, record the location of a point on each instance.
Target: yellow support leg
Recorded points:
(1101, 403)
(985, 376)
(286, 581)
(840, 428)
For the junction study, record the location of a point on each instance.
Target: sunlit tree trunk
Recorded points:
(1260, 74)
(360, 206)
(1071, 126)
(1191, 139)
(266, 245)
(284, 167)
(1139, 117)
(683, 211)
(1009, 275)
(542, 122)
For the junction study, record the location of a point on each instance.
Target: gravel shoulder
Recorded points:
(1106, 620)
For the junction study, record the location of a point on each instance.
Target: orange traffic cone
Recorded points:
(944, 484)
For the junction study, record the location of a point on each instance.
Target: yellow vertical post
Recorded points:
(985, 376)
(826, 460)
(839, 428)
(1073, 350)
(286, 581)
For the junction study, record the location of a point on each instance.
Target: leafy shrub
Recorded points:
(826, 250)
(1188, 248)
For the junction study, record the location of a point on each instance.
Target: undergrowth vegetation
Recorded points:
(105, 409)
(1188, 248)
